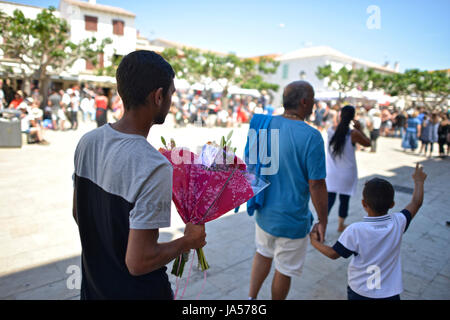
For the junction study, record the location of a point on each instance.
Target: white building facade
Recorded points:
(302, 64)
(89, 19)
(86, 19)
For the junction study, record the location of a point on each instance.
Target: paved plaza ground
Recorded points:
(40, 247)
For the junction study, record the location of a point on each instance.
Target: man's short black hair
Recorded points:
(139, 73)
(379, 195)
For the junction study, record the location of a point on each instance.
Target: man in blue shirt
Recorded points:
(269, 109)
(284, 220)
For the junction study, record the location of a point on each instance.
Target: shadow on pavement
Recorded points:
(230, 250)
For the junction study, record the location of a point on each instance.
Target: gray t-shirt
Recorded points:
(121, 183)
(128, 166)
(55, 99)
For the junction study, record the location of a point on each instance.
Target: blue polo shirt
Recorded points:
(413, 123)
(285, 212)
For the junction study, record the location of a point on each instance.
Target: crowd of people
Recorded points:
(193, 107)
(428, 128)
(413, 125)
(62, 110)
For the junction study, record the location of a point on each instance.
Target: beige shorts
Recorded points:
(61, 115)
(288, 254)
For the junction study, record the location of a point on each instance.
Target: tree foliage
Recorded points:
(431, 89)
(230, 70)
(343, 79)
(110, 70)
(42, 45)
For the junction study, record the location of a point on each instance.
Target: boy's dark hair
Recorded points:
(378, 195)
(139, 73)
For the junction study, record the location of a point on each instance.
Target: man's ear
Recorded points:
(159, 96)
(392, 205)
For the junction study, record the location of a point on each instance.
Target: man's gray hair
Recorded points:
(294, 92)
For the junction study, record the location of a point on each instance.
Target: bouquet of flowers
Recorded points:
(208, 185)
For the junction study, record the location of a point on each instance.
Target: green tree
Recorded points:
(42, 46)
(431, 89)
(177, 61)
(229, 70)
(110, 70)
(344, 79)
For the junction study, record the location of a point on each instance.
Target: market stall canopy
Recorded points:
(98, 79)
(327, 95)
(380, 97)
(250, 92)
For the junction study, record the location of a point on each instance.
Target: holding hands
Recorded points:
(314, 235)
(317, 240)
(318, 233)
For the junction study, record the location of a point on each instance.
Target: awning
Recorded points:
(327, 95)
(250, 92)
(98, 79)
(380, 97)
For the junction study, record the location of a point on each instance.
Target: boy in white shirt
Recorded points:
(375, 271)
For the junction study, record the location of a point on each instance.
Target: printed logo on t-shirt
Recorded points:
(374, 280)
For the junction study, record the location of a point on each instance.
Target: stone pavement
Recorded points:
(40, 247)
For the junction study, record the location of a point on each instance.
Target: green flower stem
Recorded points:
(178, 265)
(201, 259)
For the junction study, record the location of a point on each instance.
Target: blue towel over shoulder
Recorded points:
(258, 122)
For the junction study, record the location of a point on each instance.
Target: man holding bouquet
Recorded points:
(283, 218)
(123, 191)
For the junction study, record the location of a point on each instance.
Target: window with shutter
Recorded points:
(90, 23)
(285, 71)
(118, 26)
(89, 65)
(101, 59)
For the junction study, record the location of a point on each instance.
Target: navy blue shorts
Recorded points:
(352, 295)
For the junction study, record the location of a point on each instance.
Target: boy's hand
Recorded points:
(319, 229)
(417, 199)
(314, 236)
(419, 176)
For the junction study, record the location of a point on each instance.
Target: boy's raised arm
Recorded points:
(417, 199)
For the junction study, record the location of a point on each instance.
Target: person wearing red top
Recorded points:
(18, 99)
(242, 115)
(101, 105)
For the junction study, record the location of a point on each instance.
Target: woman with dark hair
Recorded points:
(342, 173)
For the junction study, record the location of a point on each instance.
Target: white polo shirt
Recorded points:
(375, 270)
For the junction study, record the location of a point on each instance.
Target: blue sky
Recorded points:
(415, 33)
